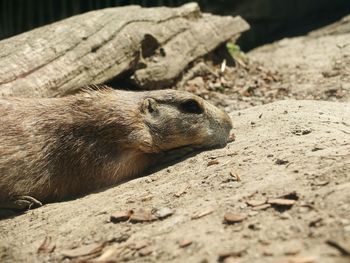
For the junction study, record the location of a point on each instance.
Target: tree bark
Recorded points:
(151, 46)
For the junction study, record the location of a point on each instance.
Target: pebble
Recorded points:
(164, 212)
(185, 243)
(231, 218)
(280, 201)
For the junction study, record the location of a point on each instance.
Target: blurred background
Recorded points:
(269, 19)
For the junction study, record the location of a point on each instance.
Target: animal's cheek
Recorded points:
(141, 140)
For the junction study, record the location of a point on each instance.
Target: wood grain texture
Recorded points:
(154, 45)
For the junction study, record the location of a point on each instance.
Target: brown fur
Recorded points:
(51, 149)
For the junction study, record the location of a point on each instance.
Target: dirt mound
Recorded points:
(297, 151)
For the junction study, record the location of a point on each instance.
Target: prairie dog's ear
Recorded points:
(149, 105)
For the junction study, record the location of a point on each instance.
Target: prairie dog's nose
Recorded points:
(221, 116)
(221, 123)
(226, 125)
(227, 121)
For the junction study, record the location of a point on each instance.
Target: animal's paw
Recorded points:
(21, 203)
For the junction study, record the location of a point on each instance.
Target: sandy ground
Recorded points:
(221, 205)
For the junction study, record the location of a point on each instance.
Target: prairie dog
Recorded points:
(57, 148)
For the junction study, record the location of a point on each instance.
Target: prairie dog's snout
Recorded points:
(177, 119)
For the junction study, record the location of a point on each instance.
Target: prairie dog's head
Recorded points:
(175, 119)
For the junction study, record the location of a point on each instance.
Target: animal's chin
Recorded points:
(195, 147)
(215, 145)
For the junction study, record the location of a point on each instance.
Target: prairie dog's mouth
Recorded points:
(231, 138)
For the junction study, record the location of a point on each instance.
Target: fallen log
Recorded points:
(149, 46)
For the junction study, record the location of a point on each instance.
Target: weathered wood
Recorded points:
(154, 45)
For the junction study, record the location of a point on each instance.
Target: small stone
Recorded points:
(320, 183)
(181, 192)
(243, 205)
(231, 254)
(145, 251)
(141, 216)
(253, 213)
(292, 251)
(267, 253)
(285, 216)
(281, 162)
(280, 201)
(185, 243)
(212, 162)
(255, 227)
(264, 242)
(164, 212)
(316, 222)
(147, 198)
(231, 218)
(121, 216)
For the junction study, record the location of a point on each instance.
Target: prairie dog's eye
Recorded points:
(191, 106)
